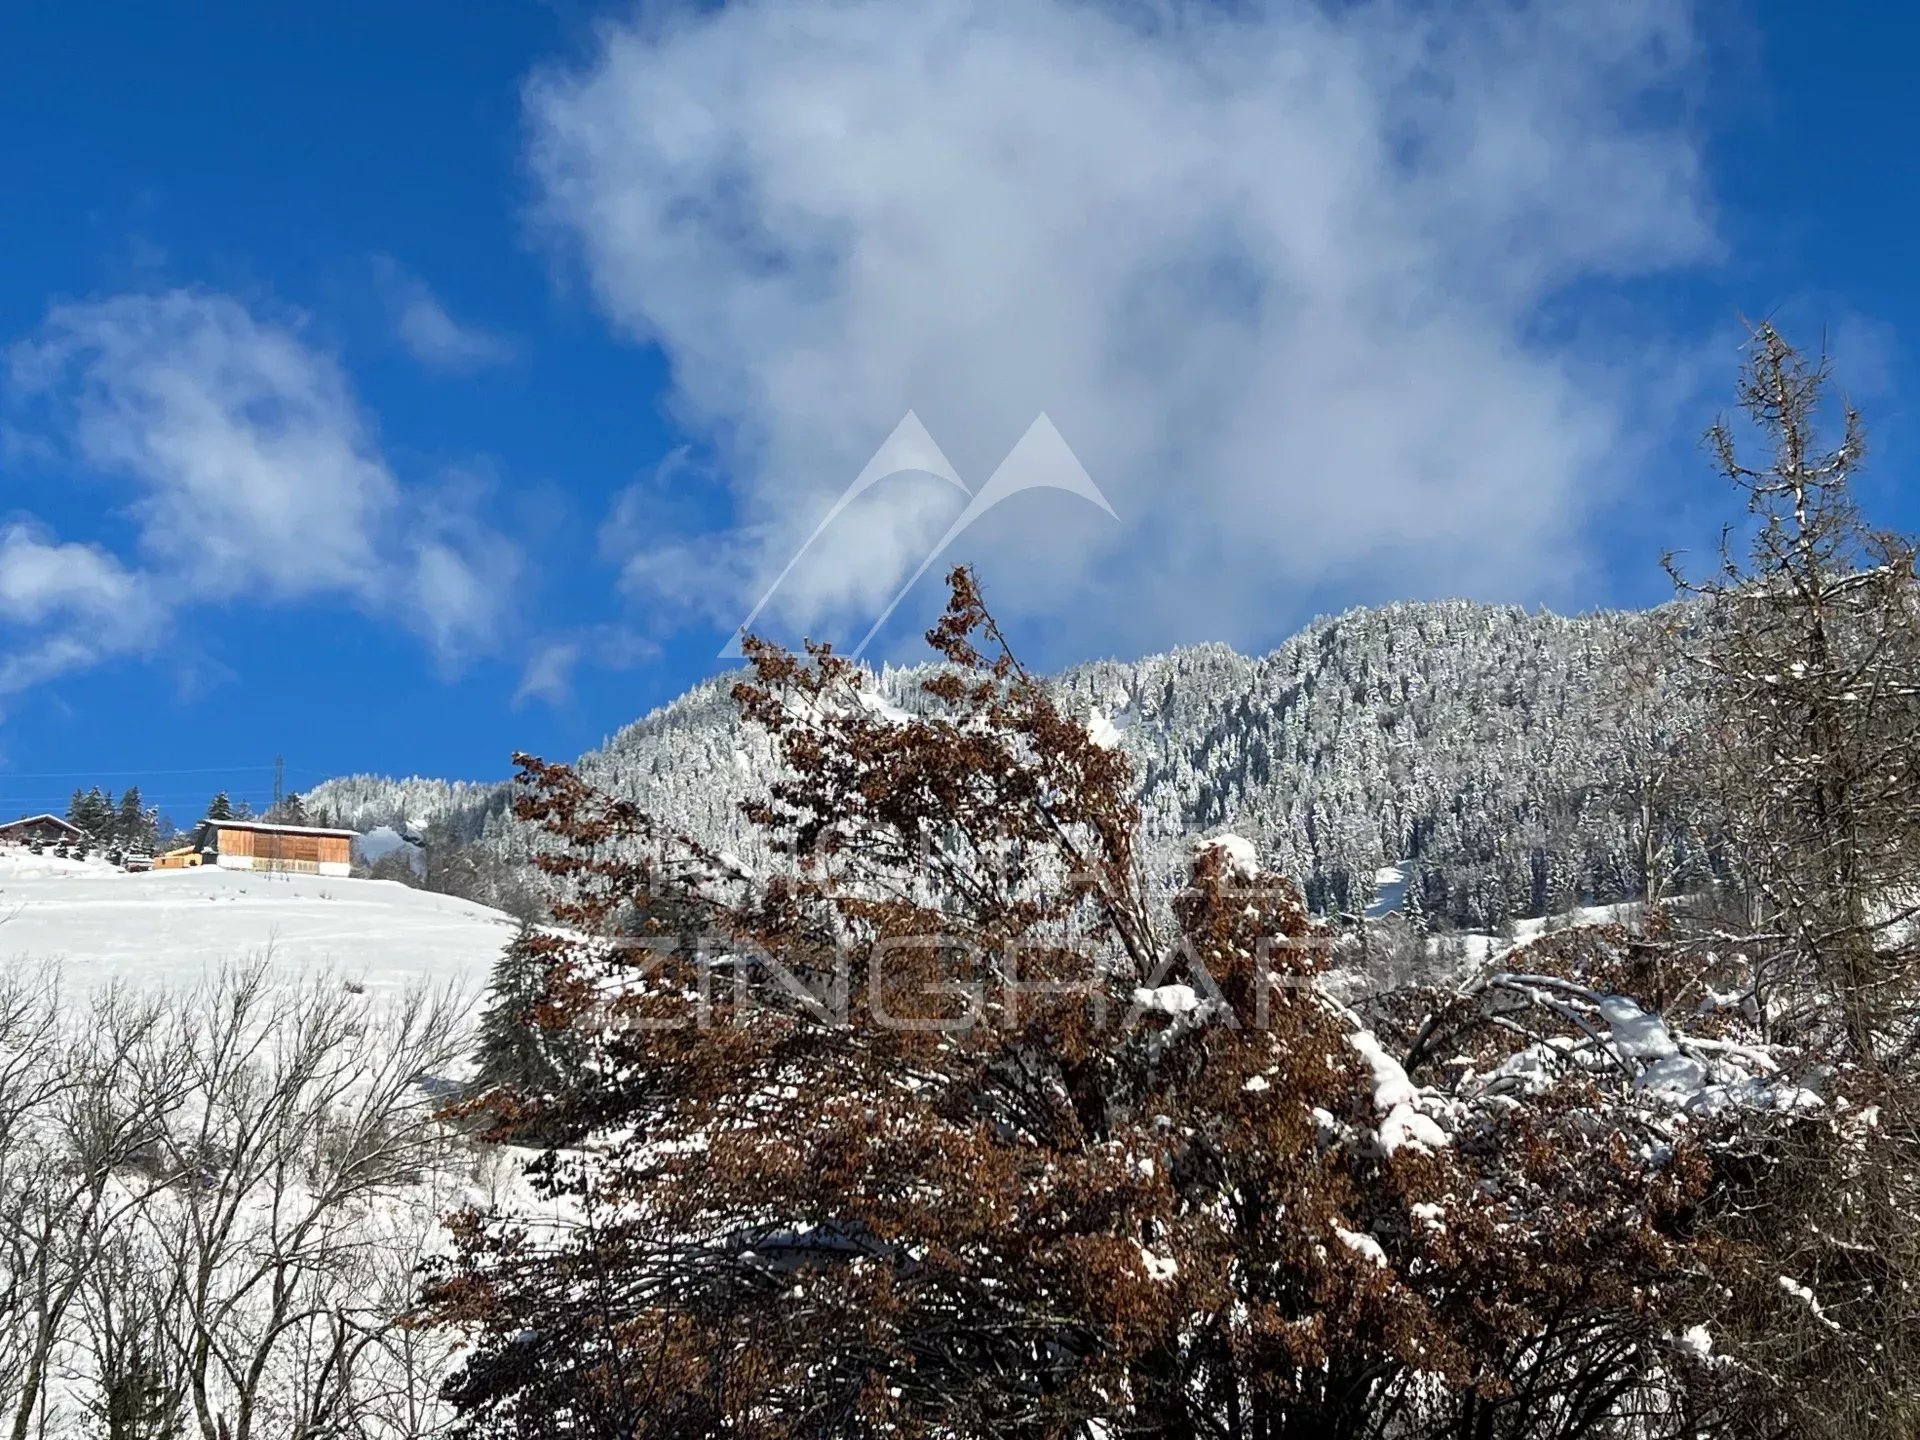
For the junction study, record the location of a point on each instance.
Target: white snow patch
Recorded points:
(1102, 731)
(883, 708)
(1389, 890)
(1808, 1298)
(1159, 1267)
(1236, 851)
(384, 840)
(1675, 1078)
(1361, 1244)
(1637, 1034)
(171, 929)
(1396, 1097)
(1167, 999)
(1697, 1341)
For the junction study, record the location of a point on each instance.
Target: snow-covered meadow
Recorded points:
(173, 928)
(220, 1162)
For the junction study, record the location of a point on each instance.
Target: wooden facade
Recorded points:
(258, 845)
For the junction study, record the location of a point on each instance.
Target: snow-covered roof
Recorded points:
(32, 819)
(268, 825)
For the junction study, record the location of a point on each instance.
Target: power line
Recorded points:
(169, 798)
(116, 774)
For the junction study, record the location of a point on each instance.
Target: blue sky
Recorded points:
(389, 387)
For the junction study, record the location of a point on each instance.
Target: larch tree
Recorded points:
(1810, 647)
(1807, 769)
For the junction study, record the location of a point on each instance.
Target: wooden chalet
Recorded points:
(47, 829)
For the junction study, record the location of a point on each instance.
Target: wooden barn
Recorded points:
(47, 829)
(258, 845)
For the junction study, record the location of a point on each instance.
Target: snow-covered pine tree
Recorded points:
(134, 823)
(519, 1055)
(94, 813)
(290, 810)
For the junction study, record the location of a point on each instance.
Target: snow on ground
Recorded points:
(170, 931)
(1389, 889)
(1480, 948)
(174, 928)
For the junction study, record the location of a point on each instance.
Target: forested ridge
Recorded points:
(1493, 748)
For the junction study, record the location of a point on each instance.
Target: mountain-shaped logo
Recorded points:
(1041, 460)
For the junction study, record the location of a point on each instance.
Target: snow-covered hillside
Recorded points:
(173, 928)
(1486, 753)
(413, 806)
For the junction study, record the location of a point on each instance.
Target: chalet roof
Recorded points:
(271, 828)
(31, 819)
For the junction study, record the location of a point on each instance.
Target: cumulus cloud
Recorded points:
(42, 579)
(431, 334)
(255, 477)
(1277, 273)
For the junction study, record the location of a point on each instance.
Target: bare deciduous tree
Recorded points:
(211, 1207)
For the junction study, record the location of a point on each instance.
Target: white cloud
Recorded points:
(67, 606)
(256, 476)
(255, 466)
(549, 671)
(431, 335)
(1277, 274)
(461, 590)
(41, 579)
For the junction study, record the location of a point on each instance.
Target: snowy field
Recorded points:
(306, 1107)
(173, 928)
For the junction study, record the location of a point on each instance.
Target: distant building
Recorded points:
(258, 845)
(48, 829)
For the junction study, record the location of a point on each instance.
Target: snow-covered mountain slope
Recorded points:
(415, 805)
(1481, 749)
(173, 928)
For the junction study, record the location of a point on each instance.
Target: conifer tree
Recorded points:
(94, 813)
(517, 1054)
(134, 824)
